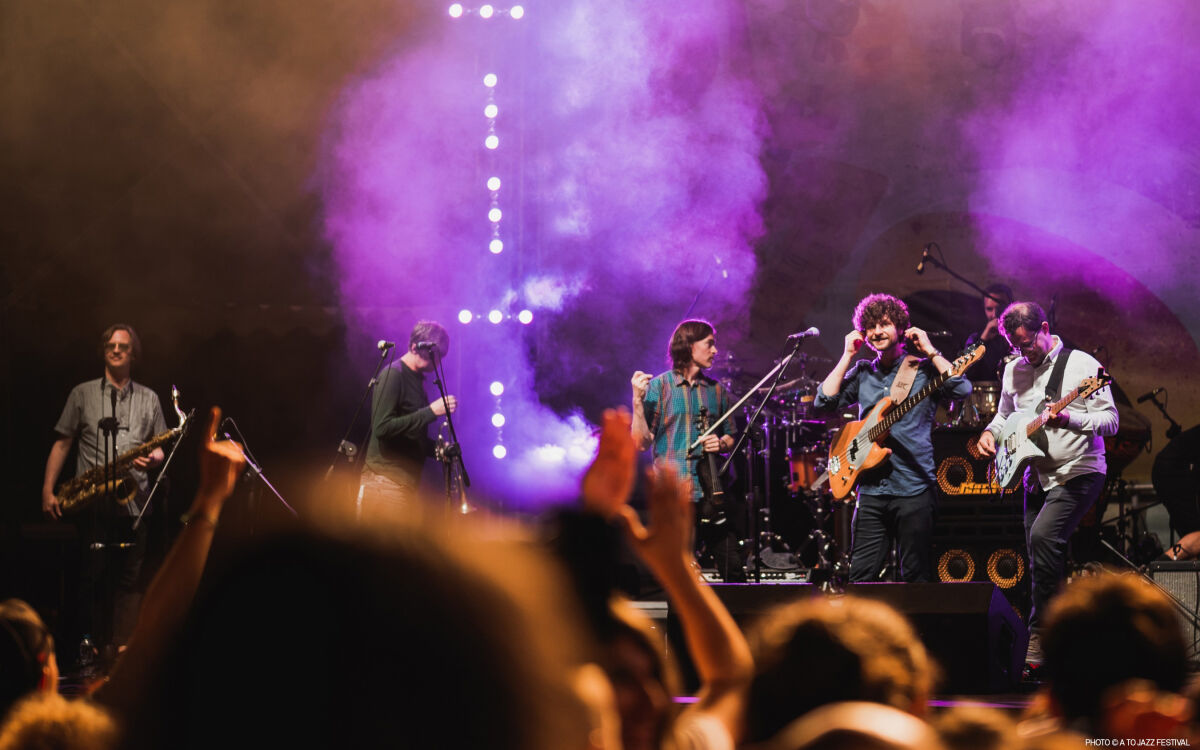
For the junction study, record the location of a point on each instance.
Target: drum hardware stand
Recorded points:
(777, 374)
(346, 449)
(253, 466)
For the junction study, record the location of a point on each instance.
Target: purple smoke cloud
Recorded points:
(630, 185)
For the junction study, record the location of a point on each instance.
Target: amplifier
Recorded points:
(1182, 581)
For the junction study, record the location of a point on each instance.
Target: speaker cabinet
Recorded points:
(1182, 581)
(969, 628)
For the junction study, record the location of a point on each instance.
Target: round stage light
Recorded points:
(490, 111)
(494, 215)
(499, 451)
(456, 10)
(496, 246)
(497, 420)
(516, 11)
(491, 142)
(465, 316)
(496, 388)
(495, 316)
(493, 183)
(489, 80)
(485, 11)
(525, 316)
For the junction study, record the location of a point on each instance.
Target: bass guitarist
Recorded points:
(1062, 486)
(667, 417)
(895, 500)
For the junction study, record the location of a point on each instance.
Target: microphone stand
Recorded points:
(346, 448)
(450, 454)
(253, 465)
(935, 260)
(163, 471)
(1174, 430)
(777, 373)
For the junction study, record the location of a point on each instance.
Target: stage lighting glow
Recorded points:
(494, 215)
(517, 11)
(495, 316)
(497, 420)
(499, 451)
(485, 11)
(456, 10)
(491, 142)
(497, 388)
(493, 183)
(464, 316)
(490, 111)
(525, 316)
(496, 246)
(489, 80)
(550, 454)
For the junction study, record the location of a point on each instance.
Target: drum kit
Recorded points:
(790, 449)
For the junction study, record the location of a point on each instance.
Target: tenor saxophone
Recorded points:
(98, 481)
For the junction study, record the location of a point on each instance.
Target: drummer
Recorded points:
(996, 297)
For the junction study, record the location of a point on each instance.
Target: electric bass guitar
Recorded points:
(1022, 438)
(858, 446)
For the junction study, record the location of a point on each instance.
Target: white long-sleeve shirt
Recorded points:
(1077, 448)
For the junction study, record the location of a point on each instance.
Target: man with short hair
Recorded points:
(139, 417)
(665, 411)
(996, 297)
(401, 413)
(896, 499)
(1063, 485)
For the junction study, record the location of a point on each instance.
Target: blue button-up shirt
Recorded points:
(909, 470)
(671, 406)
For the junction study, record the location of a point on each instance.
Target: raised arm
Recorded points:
(716, 644)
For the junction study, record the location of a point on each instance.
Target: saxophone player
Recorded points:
(108, 591)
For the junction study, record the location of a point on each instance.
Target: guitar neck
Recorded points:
(898, 411)
(1055, 408)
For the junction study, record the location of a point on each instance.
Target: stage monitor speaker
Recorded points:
(1182, 581)
(969, 628)
(1003, 564)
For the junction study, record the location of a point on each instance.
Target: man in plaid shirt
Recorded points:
(665, 412)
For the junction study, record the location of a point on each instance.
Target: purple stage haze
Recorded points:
(630, 186)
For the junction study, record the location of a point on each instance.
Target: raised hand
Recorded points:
(667, 540)
(609, 480)
(640, 381)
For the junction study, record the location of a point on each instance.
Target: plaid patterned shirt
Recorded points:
(672, 406)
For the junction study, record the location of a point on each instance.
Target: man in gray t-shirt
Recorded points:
(139, 417)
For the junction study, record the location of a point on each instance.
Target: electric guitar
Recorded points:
(858, 445)
(1022, 439)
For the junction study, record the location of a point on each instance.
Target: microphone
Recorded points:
(921, 264)
(383, 346)
(426, 345)
(804, 334)
(1147, 396)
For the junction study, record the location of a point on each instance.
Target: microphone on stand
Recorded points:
(804, 334)
(1147, 396)
(383, 346)
(921, 264)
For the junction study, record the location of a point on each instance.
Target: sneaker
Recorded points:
(1033, 653)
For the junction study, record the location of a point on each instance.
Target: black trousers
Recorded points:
(881, 519)
(1050, 519)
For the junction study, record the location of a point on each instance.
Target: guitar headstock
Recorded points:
(970, 356)
(1089, 386)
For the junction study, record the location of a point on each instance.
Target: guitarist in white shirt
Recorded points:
(1071, 475)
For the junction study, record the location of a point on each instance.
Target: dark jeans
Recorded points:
(880, 519)
(1050, 519)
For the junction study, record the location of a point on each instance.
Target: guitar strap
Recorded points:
(1054, 384)
(904, 379)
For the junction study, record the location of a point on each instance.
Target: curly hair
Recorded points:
(876, 308)
(679, 352)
